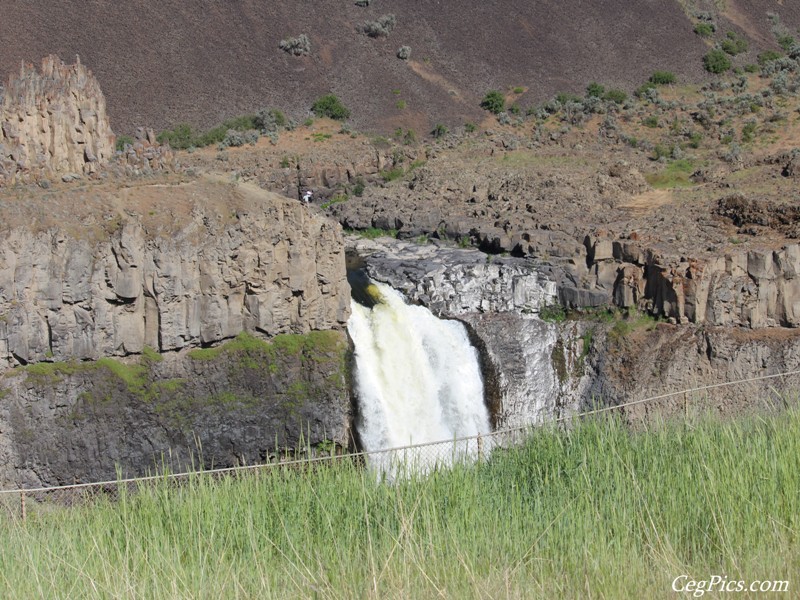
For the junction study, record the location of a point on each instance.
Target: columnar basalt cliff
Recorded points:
(225, 259)
(52, 122)
(135, 323)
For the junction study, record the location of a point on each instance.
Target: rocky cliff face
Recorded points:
(232, 259)
(52, 122)
(752, 288)
(159, 276)
(526, 362)
(536, 370)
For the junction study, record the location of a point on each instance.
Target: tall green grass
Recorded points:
(594, 511)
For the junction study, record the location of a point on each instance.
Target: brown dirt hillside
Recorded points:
(164, 62)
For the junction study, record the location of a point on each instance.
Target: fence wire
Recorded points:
(393, 463)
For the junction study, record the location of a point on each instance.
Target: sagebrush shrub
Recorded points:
(733, 44)
(404, 52)
(705, 29)
(615, 95)
(380, 28)
(298, 46)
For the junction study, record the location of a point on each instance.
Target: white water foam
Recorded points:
(418, 380)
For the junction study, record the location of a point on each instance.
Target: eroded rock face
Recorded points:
(245, 402)
(451, 281)
(754, 288)
(167, 269)
(267, 266)
(53, 122)
(529, 365)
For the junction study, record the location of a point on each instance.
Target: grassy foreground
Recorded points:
(598, 511)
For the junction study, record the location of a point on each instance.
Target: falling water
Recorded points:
(417, 380)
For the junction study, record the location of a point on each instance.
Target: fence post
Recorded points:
(480, 448)
(23, 511)
(685, 408)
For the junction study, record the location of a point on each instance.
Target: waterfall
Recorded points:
(417, 379)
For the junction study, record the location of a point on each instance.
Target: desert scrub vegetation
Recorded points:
(705, 29)
(716, 61)
(734, 44)
(298, 46)
(699, 495)
(494, 102)
(677, 174)
(330, 106)
(122, 141)
(404, 52)
(183, 137)
(439, 131)
(379, 28)
(662, 78)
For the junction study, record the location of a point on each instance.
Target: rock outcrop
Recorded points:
(233, 259)
(536, 370)
(199, 320)
(526, 361)
(52, 122)
(247, 401)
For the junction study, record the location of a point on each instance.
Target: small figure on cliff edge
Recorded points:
(307, 196)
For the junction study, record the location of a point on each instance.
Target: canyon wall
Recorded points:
(536, 370)
(160, 322)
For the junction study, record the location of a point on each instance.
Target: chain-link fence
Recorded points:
(775, 391)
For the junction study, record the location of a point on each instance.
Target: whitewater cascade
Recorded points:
(418, 380)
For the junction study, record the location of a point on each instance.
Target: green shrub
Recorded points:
(662, 78)
(595, 90)
(564, 98)
(786, 42)
(694, 139)
(733, 44)
(751, 68)
(514, 109)
(748, 131)
(470, 127)
(767, 56)
(494, 102)
(122, 141)
(704, 29)
(615, 95)
(179, 138)
(439, 131)
(358, 187)
(716, 62)
(642, 89)
(404, 52)
(518, 89)
(553, 313)
(651, 121)
(330, 106)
